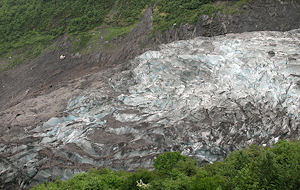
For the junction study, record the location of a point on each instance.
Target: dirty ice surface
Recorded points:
(203, 97)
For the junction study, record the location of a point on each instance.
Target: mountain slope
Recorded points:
(36, 98)
(203, 97)
(122, 38)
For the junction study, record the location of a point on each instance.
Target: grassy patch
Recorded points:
(115, 32)
(128, 12)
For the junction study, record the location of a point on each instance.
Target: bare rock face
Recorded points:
(203, 97)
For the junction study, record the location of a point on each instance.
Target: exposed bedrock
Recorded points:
(203, 97)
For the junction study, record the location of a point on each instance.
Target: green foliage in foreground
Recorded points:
(252, 168)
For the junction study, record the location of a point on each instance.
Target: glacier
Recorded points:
(203, 97)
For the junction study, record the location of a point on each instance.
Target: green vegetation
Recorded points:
(115, 32)
(253, 168)
(127, 12)
(28, 22)
(28, 27)
(173, 13)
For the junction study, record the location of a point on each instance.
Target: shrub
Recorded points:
(254, 168)
(142, 174)
(164, 163)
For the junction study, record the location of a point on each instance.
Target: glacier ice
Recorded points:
(204, 97)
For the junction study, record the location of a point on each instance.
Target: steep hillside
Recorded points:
(31, 28)
(39, 21)
(27, 27)
(127, 29)
(204, 97)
